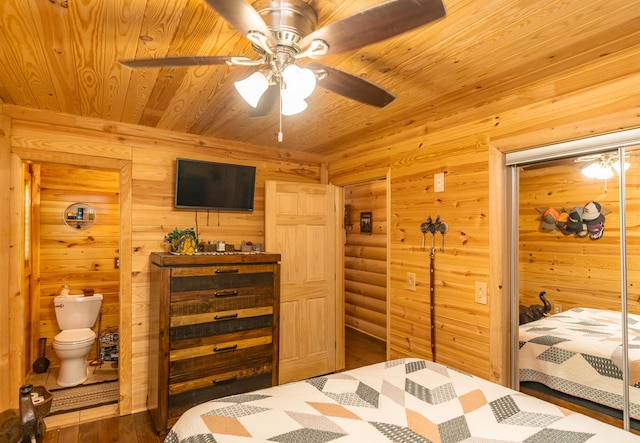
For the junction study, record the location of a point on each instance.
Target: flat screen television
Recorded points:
(210, 185)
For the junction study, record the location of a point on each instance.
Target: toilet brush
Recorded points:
(42, 363)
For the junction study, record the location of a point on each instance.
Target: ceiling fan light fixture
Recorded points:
(616, 166)
(292, 104)
(252, 87)
(597, 170)
(603, 165)
(299, 81)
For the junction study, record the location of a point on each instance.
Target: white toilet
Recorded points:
(75, 315)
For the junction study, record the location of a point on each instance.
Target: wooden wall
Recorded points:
(145, 162)
(366, 260)
(577, 272)
(465, 146)
(79, 258)
(468, 149)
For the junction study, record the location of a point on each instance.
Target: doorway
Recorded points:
(366, 272)
(74, 242)
(122, 171)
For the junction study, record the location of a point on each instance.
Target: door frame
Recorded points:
(19, 156)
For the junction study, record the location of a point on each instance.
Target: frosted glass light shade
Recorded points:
(596, 170)
(616, 166)
(291, 103)
(301, 81)
(252, 88)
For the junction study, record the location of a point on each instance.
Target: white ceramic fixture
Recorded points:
(76, 316)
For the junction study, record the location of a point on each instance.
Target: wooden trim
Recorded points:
(6, 230)
(499, 306)
(388, 252)
(125, 344)
(79, 160)
(136, 135)
(16, 276)
(339, 278)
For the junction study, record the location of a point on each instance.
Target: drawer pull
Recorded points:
(227, 271)
(226, 348)
(226, 294)
(225, 380)
(225, 317)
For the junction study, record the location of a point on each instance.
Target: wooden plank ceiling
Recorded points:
(62, 56)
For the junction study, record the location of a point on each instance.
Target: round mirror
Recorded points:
(79, 216)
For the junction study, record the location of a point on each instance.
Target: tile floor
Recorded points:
(106, 371)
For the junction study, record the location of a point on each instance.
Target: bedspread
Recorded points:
(579, 352)
(406, 400)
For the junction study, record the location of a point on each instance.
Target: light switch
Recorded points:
(481, 293)
(411, 281)
(438, 182)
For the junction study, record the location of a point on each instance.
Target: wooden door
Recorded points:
(301, 225)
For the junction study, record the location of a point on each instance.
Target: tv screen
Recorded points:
(209, 185)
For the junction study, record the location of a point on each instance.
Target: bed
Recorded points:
(406, 400)
(579, 352)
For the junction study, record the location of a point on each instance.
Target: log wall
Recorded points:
(366, 260)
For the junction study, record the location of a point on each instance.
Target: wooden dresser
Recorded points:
(213, 329)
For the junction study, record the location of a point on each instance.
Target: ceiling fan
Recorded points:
(284, 32)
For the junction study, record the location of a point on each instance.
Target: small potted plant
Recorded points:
(183, 241)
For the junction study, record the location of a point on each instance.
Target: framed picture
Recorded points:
(365, 222)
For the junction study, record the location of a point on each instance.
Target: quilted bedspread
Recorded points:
(407, 400)
(579, 352)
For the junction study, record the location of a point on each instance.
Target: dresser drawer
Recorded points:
(203, 325)
(202, 302)
(208, 280)
(240, 365)
(211, 352)
(179, 403)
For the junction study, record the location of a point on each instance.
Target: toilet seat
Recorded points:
(72, 337)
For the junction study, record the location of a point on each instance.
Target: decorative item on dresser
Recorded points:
(214, 329)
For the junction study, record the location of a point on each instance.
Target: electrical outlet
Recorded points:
(481, 293)
(411, 281)
(557, 308)
(438, 182)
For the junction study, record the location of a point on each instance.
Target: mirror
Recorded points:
(79, 216)
(572, 348)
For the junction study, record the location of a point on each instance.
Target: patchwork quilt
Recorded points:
(579, 352)
(406, 400)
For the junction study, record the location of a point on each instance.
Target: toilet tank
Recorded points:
(77, 312)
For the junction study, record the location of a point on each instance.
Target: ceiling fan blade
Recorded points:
(376, 24)
(173, 62)
(266, 102)
(244, 18)
(352, 86)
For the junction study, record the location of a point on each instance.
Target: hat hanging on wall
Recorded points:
(549, 219)
(583, 221)
(594, 219)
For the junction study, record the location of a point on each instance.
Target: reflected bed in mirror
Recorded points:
(579, 353)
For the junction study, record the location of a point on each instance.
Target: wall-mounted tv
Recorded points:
(209, 185)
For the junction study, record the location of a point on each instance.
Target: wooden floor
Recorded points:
(360, 350)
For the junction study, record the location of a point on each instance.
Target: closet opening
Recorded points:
(574, 245)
